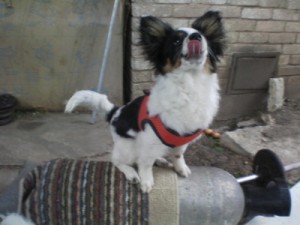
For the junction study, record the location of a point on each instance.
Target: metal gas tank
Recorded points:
(210, 196)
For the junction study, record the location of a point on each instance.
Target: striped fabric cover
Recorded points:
(70, 192)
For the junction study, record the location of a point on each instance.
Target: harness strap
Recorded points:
(168, 136)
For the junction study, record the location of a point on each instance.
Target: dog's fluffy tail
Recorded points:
(90, 99)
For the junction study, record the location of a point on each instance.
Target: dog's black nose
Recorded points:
(195, 36)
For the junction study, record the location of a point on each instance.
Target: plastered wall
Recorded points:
(51, 48)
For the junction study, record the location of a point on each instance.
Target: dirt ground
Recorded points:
(209, 153)
(202, 154)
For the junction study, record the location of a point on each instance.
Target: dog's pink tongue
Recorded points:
(195, 48)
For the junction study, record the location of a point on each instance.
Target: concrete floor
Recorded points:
(43, 136)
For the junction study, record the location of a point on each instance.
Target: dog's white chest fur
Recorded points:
(185, 101)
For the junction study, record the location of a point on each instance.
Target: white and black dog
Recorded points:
(182, 102)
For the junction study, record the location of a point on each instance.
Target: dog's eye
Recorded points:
(177, 42)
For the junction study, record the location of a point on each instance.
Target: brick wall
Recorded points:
(251, 25)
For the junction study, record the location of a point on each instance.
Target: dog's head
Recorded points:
(169, 49)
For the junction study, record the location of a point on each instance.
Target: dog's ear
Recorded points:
(211, 26)
(154, 33)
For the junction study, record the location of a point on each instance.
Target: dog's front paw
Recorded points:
(147, 186)
(183, 170)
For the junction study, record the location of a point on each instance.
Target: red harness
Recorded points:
(169, 137)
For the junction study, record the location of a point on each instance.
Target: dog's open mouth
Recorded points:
(194, 50)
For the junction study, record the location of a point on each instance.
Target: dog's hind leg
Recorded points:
(164, 163)
(148, 155)
(123, 158)
(129, 172)
(178, 161)
(145, 163)
(146, 174)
